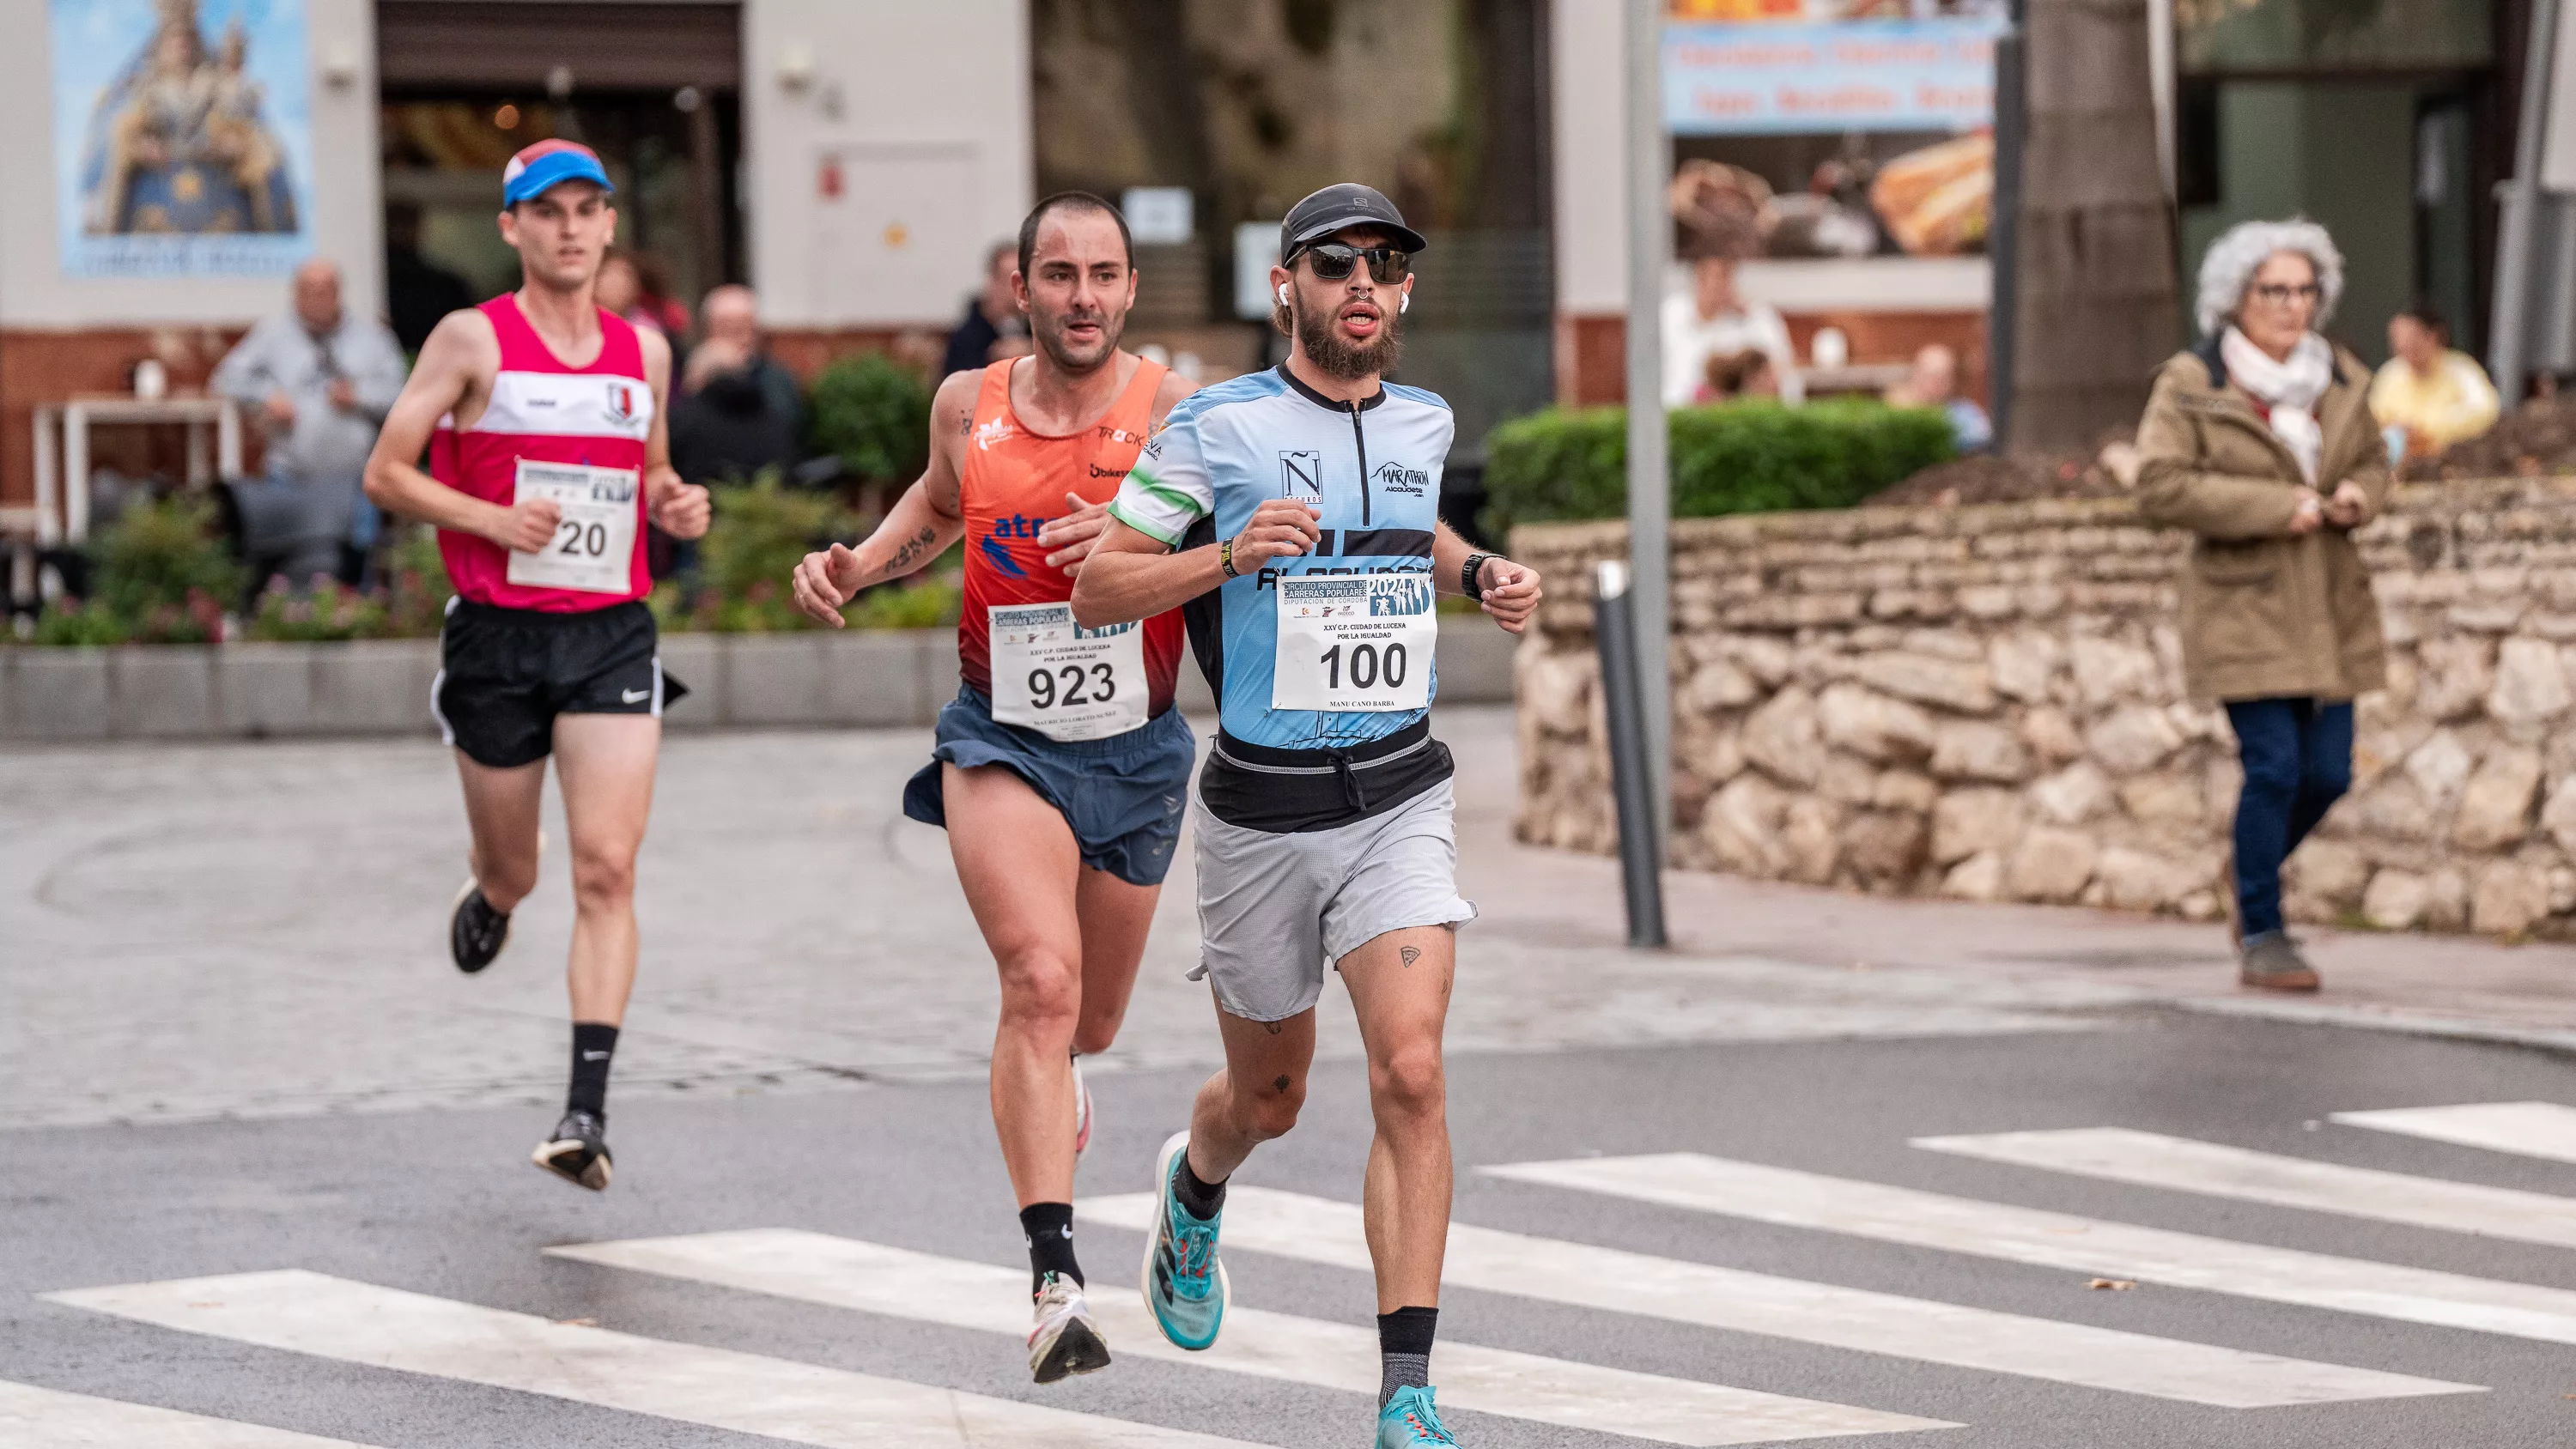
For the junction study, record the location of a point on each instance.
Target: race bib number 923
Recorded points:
(1062, 680)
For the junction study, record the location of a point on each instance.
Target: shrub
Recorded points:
(416, 587)
(159, 575)
(875, 413)
(760, 531)
(328, 611)
(1739, 457)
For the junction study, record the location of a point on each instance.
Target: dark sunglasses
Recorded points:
(1333, 261)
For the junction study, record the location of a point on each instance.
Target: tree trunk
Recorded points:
(2097, 309)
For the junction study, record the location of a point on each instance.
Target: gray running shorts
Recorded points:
(1275, 908)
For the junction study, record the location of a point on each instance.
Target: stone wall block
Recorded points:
(2164, 800)
(1874, 726)
(2329, 870)
(2456, 675)
(774, 679)
(2108, 671)
(2133, 880)
(1718, 758)
(2072, 796)
(2530, 683)
(1978, 878)
(1557, 688)
(1848, 780)
(1951, 684)
(162, 693)
(2558, 817)
(2446, 899)
(2495, 808)
(1767, 660)
(1716, 686)
(1968, 822)
(266, 690)
(2051, 735)
(2023, 663)
(1979, 750)
(2395, 900)
(374, 686)
(1904, 790)
(1741, 826)
(1785, 738)
(1812, 832)
(2052, 864)
(2440, 768)
(1886, 848)
(2508, 900)
(2133, 739)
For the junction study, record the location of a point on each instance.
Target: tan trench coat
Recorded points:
(2265, 613)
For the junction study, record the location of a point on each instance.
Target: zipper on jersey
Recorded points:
(1359, 439)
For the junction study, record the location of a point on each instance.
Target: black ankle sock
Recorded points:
(1404, 1350)
(1201, 1200)
(1049, 1229)
(593, 1043)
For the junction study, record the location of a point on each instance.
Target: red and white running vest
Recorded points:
(574, 434)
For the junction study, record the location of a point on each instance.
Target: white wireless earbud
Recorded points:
(1403, 303)
(1283, 294)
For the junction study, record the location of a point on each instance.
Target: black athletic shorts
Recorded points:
(504, 674)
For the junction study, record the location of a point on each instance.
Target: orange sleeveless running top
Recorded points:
(1015, 481)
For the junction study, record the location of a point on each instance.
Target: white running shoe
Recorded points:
(1081, 1113)
(1065, 1341)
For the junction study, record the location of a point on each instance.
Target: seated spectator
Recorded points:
(737, 410)
(2427, 395)
(1742, 374)
(1934, 383)
(1716, 321)
(319, 382)
(992, 328)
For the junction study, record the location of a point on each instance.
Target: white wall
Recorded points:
(1586, 44)
(924, 111)
(347, 214)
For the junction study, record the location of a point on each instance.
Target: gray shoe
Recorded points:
(2272, 963)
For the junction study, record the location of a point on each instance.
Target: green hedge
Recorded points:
(875, 413)
(1738, 457)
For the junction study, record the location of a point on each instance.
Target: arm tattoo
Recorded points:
(912, 549)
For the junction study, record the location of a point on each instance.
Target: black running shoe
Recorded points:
(476, 932)
(578, 1151)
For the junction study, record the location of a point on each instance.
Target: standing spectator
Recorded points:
(738, 410)
(1934, 383)
(1716, 321)
(2430, 394)
(2260, 441)
(992, 317)
(319, 381)
(418, 291)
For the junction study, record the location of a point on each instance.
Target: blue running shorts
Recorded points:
(1122, 795)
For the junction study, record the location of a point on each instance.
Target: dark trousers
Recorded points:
(2298, 761)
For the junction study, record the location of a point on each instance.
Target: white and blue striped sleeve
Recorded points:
(1169, 488)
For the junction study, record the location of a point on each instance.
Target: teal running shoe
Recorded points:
(1184, 1283)
(1409, 1422)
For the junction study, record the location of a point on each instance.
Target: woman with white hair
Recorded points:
(2260, 442)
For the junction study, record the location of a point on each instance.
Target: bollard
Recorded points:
(1614, 628)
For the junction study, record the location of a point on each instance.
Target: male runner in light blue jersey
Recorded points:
(1295, 513)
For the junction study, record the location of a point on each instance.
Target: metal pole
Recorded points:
(2508, 346)
(2003, 231)
(1649, 484)
(1614, 632)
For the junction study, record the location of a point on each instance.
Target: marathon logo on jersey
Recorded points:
(1301, 474)
(1397, 478)
(621, 401)
(1105, 631)
(998, 430)
(1375, 596)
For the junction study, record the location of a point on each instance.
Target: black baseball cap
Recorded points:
(1342, 204)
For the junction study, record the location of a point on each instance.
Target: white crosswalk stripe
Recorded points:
(34, 1418)
(2148, 1159)
(334, 1318)
(2062, 1240)
(2526, 1129)
(1317, 1230)
(873, 1278)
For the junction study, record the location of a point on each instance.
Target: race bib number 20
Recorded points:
(1354, 643)
(593, 549)
(1062, 680)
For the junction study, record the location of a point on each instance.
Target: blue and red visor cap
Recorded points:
(549, 164)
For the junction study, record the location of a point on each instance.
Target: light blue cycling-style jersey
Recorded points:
(1372, 468)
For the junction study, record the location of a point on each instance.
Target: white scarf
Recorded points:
(2290, 389)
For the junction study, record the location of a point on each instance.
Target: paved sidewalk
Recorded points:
(205, 931)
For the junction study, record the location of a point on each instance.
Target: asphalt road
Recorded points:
(442, 1203)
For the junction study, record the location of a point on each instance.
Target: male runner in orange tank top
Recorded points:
(1061, 769)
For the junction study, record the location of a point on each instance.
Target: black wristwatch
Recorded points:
(1470, 576)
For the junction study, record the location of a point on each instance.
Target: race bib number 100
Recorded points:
(593, 549)
(1354, 643)
(1062, 680)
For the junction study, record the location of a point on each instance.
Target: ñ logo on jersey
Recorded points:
(991, 433)
(1301, 474)
(621, 402)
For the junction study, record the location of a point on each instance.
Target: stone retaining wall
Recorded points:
(1986, 703)
(859, 678)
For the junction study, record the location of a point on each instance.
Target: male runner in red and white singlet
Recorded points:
(543, 419)
(1061, 768)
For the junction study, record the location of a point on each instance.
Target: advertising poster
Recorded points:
(182, 137)
(1833, 128)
